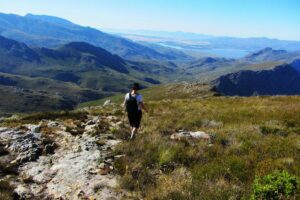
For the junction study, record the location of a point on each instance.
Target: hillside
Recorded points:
(296, 64)
(24, 94)
(208, 68)
(269, 54)
(48, 31)
(165, 92)
(250, 137)
(94, 69)
(281, 80)
(81, 63)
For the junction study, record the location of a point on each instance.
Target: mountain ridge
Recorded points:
(281, 80)
(48, 31)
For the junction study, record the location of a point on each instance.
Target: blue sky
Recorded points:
(244, 18)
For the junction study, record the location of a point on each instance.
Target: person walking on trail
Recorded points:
(134, 104)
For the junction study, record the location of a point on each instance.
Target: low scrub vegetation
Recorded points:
(6, 191)
(279, 185)
(18, 120)
(252, 138)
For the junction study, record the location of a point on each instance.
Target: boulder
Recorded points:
(33, 128)
(91, 129)
(198, 135)
(107, 102)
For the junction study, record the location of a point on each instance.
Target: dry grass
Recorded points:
(253, 137)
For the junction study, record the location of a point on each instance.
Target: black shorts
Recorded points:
(135, 119)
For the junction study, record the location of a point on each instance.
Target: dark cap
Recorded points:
(136, 86)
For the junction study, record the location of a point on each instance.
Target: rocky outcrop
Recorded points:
(281, 80)
(55, 163)
(23, 145)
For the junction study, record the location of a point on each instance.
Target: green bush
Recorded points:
(278, 185)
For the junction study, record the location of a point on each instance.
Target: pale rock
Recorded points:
(33, 128)
(23, 192)
(94, 120)
(72, 171)
(102, 166)
(107, 102)
(190, 135)
(53, 124)
(26, 146)
(91, 129)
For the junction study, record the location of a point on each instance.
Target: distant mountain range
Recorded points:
(73, 73)
(209, 68)
(78, 62)
(93, 67)
(56, 64)
(51, 32)
(199, 44)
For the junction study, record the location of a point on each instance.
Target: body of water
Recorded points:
(227, 53)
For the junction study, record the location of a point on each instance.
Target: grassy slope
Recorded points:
(253, 137)
(257, 137)
(166, 92)
(26, 94)
(206, 74)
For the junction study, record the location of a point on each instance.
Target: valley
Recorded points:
(96, 73)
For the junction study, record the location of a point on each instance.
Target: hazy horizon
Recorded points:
(248, 18)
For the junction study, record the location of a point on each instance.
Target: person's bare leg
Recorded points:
(133, 132)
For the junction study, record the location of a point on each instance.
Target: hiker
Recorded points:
(134, 105)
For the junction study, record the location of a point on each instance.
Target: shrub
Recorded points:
(268, 130)
(121, 165)
(6, 191)
(7, 168)
(278, 185)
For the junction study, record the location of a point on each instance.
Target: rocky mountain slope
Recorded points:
(281, 80)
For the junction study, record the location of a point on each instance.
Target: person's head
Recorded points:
(135, 87)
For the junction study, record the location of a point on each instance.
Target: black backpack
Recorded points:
(131, 105)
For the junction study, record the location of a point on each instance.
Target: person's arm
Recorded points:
(143, 106)
(124, 102)
(142, 103)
